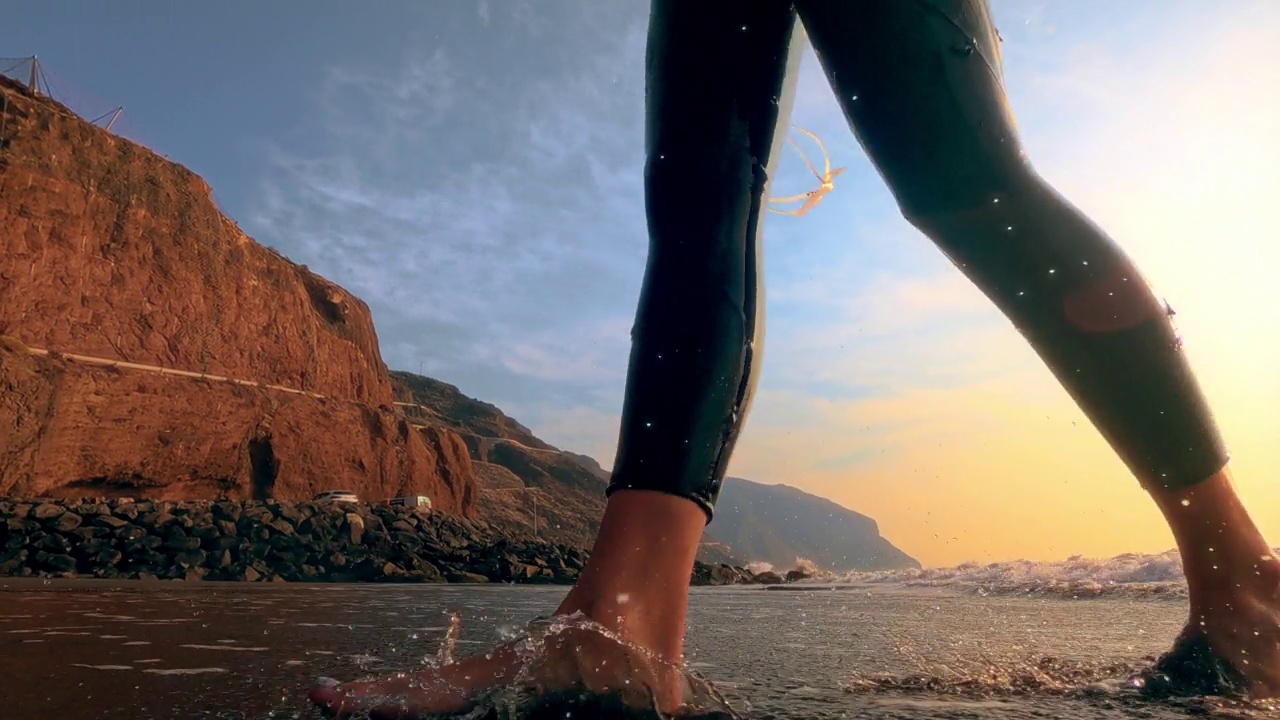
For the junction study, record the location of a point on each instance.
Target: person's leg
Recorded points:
(718, 84)
(921, 84)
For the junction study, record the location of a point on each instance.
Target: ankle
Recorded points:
(636, 582)
(651, 617)
(1212, 528)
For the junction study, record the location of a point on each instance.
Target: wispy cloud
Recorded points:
(491, 221)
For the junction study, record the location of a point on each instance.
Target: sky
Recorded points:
(472, 170)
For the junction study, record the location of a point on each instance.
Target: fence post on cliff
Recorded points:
(34, 82)
(114, 116)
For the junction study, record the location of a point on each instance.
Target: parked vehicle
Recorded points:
(336, 496)
(418, 501)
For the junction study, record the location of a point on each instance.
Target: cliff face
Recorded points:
(109, 251)
(112, 251)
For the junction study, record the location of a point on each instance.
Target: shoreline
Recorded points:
(275, 541)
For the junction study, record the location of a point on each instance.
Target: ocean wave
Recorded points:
(1128, 575)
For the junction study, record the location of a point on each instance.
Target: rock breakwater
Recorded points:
(276, 541)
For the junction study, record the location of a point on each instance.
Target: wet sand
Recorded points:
(100, 649)
(81, 650)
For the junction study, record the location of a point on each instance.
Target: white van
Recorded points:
(418, 501)
(336, 496)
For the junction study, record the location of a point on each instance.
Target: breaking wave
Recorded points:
(1131, 575)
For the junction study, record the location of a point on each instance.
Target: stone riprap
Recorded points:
(278, 541)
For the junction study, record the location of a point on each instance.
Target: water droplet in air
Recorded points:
(1186, 502)
(1052, 271)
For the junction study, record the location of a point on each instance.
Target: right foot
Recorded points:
(1231, 645)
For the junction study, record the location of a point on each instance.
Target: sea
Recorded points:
(1015, 640)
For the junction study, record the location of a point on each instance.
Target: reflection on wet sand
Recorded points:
(143, 650)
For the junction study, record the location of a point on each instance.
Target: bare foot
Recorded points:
(571, 656)
(635, 586)
(1243, 628)
(1231, 644)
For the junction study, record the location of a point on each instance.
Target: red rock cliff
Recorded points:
(109, 251)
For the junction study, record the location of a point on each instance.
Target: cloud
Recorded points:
(492, 221)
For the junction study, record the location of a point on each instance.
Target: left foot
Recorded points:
(577, 657)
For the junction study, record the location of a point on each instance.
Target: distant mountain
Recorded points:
(514, 468)
(778, 524)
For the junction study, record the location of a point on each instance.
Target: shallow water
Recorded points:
(80, 649)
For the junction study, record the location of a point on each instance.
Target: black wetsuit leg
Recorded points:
(921, 84)
(716, 90)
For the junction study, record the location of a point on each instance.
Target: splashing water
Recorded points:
(444, 654)
(983, 676)
(565, 644)
(517, 700)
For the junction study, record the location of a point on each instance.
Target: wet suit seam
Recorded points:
(973, 41)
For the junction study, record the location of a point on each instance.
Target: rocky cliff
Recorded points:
(112, 253)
